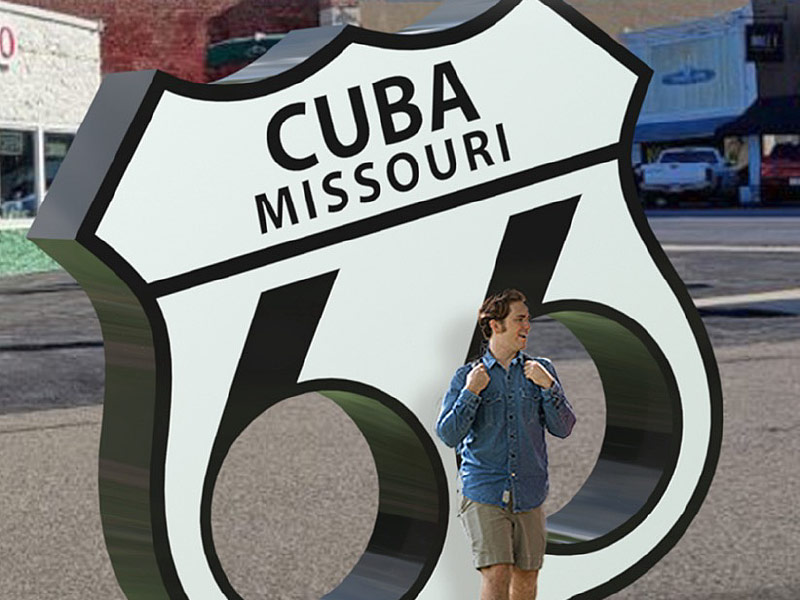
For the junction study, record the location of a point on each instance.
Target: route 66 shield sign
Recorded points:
(335, 214)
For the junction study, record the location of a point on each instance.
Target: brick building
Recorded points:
(175, 35)
(618, 16)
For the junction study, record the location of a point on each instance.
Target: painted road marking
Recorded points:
(724, 248)
(758, 297)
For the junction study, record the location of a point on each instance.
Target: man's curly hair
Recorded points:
(497, 306)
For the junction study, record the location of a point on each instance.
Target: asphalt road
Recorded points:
(743, 544)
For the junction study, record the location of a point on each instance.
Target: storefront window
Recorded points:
(55, 149)
(17, 174)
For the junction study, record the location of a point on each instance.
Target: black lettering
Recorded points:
(461, 99)
(387, 110)
(451, 160)
(276, 149)
(327, 185)
(369, 182)
(312, 209)
(501, 136)
(265, 208)
(391, 172)
(473, 151)
(329, 132)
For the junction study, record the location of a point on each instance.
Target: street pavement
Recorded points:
(743, 543)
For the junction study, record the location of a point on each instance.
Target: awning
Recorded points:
(244, 50)
(766, 115)
(680, 130)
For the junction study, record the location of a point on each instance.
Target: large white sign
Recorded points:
(339, 222)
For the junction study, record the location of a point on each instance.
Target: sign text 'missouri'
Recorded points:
(402, 172)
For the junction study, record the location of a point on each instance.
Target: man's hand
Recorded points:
(477, 379)
(538, 374)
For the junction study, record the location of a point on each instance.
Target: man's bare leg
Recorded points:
(523, 584)
(496, 581)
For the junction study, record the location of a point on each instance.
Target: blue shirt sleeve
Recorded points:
(458, 410)
(559, 418)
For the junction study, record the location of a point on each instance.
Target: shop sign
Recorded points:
(688, 76)
(764, 42)
(11, 143)
(8, 45)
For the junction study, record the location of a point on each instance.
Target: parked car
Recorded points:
(688, 173)
(780, 172)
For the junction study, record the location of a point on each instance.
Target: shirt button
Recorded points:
(513, 474)
(513, 456)
(510, 416)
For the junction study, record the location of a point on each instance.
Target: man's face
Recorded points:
(512, 332)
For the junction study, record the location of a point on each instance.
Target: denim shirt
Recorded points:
(500, 433)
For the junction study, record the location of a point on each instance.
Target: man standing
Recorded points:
(495, 414)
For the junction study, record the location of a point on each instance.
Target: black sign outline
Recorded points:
(137, 97)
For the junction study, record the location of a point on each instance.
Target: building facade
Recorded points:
(204, 40)
(49, 74)
(700, 81)
(698, 50)
(174, 36)
(730, 81)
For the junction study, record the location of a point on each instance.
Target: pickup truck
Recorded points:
(687, 172)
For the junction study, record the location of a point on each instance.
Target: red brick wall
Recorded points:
(266, 16)
(172, 35)
(615, 16)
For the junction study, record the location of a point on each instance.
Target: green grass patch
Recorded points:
(18, 255)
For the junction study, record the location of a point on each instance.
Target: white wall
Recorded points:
(55, 73)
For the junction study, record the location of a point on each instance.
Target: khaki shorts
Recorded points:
(499, 536)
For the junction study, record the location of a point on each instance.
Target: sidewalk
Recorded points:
(743, 544)
(16, 223)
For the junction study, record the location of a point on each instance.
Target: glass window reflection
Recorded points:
(17, 173)
(56, 146)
